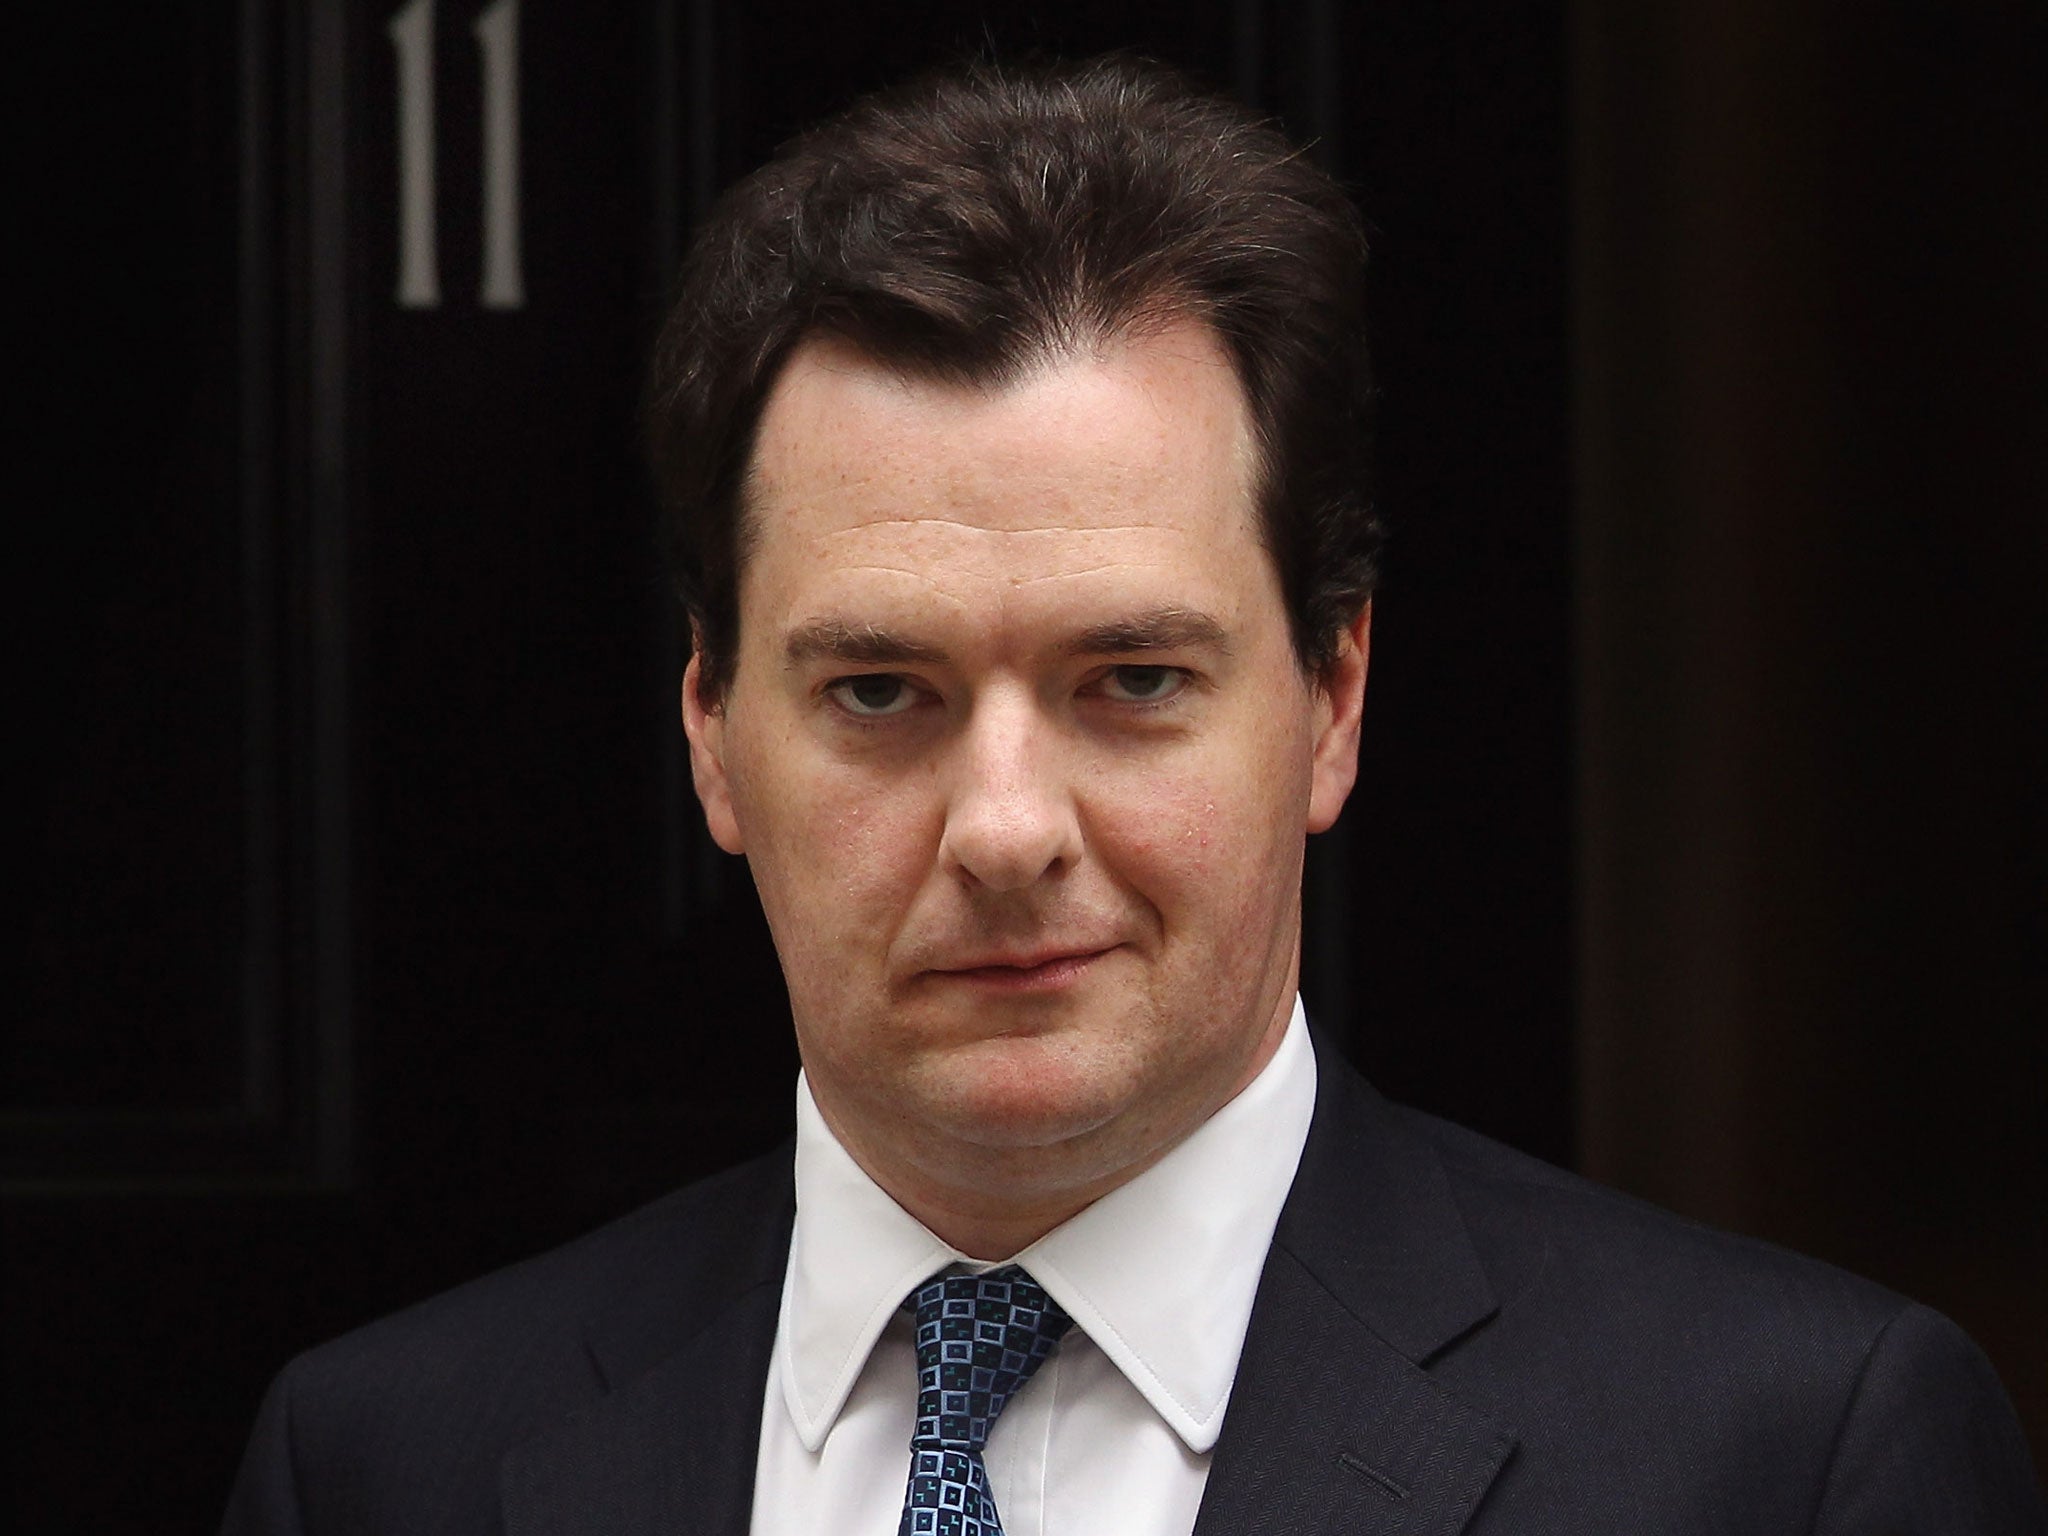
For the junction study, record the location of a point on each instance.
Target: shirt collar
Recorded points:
(1160, 1273)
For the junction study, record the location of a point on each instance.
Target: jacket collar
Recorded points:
(683, 1356)
(1372, 1219)
(1335, 1423)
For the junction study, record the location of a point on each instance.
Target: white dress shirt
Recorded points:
(1112, 1436)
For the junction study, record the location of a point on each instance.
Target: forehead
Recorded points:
(1118, 476)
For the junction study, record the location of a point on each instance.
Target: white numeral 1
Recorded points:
(497, 36)
(419, 276)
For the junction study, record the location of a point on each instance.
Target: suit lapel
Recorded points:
(669, 1450)
(672, 1453)
(1334, 1423)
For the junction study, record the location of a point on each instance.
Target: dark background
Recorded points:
(370, 936)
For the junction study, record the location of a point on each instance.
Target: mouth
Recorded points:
(1043, 971)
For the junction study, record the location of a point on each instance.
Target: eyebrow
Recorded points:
(866, 645)
(870, 645)
(1158, 629)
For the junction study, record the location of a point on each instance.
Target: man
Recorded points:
(1015, 428)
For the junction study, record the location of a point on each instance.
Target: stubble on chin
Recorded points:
(1029, 1117)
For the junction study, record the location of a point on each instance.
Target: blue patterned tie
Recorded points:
(979, 1338)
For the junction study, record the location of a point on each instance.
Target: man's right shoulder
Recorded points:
(418, 1408)
(694, 1248)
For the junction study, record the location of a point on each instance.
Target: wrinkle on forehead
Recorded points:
(976, 586)
(1009, 544)
(939, 551)
(1102, 569)
(962, 525)
(918, 573)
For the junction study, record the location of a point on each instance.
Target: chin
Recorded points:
(1030, 1091)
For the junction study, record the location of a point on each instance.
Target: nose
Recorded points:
(1010, 814)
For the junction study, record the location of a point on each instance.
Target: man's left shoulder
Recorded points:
(1534, 1224)
(1633, 1348)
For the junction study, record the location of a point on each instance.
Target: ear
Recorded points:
(704, 724)
(1340, 705)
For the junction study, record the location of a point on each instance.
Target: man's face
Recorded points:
(1021, 758)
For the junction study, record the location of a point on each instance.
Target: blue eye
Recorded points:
(1143, 685)
(873, 694)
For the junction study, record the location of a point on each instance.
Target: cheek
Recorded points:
(1215, 843)
(873, 848)
(834, 856)
(1170, 836)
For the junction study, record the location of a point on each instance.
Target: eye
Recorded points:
(1143, 685)
(873, 695)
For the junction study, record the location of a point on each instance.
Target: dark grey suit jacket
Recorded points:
(1449, 1337)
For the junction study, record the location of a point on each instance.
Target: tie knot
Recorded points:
(979, 1338)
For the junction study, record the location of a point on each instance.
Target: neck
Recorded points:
(992, 1202)
(990, 1235)
(997, 1219)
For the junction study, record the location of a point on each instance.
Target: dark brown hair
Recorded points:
(972, 223)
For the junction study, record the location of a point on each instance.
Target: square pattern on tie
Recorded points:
(979, 1338)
